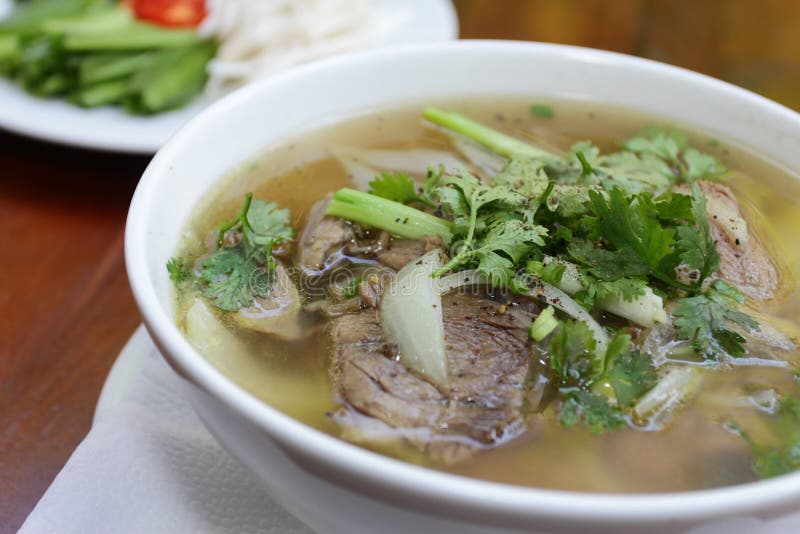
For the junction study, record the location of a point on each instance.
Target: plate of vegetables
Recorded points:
(124, 76)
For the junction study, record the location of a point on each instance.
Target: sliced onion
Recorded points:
(485, 160)
(646, 310)
(411, 316)
(363, 164)
(558, 299)
(678, 383)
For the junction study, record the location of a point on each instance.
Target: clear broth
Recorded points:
(693, 452)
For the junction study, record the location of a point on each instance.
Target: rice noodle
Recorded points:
(261, 37)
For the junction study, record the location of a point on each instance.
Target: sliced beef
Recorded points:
(744, 261)
(488, 358)
(398, 252)
(321, 237)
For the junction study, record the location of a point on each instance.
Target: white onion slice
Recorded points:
(411, 316)
(363, 164)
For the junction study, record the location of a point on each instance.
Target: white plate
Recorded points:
(111, 129)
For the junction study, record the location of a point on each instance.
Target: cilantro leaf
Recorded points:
(605, 264)
(232, 279)
(267, 223)
(179, 272)
(569, 200)
(631, 374)
(673, 148)
(233, 276)
(707, 320)
(696, 245)
(494, 224)
(665, 144)
(701, 166)
(631, 226)
(397, 186)
(524, 175)
(542, 111)
(593, 410)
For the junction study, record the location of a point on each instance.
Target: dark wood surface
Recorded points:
(65, 306)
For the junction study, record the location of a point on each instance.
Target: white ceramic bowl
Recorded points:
(330, 484)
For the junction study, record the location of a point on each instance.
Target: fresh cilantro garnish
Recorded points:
(593, 410)
(631, 374)
(236, 273)
(673, 148)
(543, 111)
(179, 272)
(397, 186)
(629, 289)
(526, 176)
(697, 247)
(641, 243)
(708, 321)
(494, 224)
(233, 279)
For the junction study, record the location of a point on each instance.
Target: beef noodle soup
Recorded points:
(556, 294)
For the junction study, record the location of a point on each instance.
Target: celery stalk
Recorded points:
(394, 217)
(133, 37)
(545, 323)
(104, 67)
(501, 143)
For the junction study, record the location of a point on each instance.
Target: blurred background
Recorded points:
(751, 43)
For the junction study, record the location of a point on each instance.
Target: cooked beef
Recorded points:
(488, 358)
(321, 237)
(398, 252)
(744, 261)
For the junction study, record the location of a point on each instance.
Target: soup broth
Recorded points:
(695, 449)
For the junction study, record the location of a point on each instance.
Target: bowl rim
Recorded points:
(404, 480)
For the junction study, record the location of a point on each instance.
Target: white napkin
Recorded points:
(149, 465)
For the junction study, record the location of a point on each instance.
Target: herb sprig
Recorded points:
(242, 267)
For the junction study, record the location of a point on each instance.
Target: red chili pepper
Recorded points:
(175, 13)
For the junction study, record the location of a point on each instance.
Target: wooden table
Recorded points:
(65, 306)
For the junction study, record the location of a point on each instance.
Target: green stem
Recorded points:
(101, 94)
(501, 143)
(104, 67)
(134, 37)
(394, 217)
(242, 217)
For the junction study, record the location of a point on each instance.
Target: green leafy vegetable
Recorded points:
(397, 186)
(593, 410)
(543, 111)
(179, 272)
(695, 241)
(232, 279)
(95, 53)
(673, 148)
(631, 375)
(235, 274)
(708, 321)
